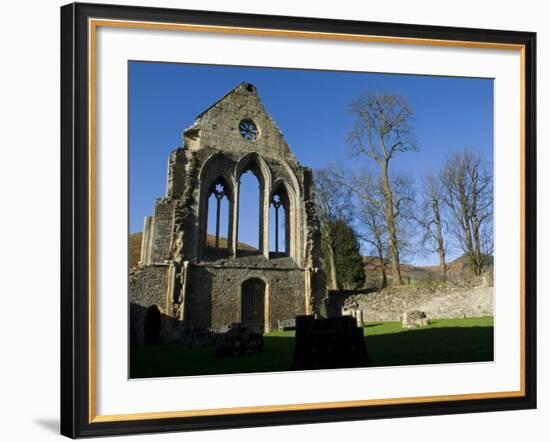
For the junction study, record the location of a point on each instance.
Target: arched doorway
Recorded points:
(152, 325)
(253, 304)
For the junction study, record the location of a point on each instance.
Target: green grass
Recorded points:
(172, 360)
(443, 341)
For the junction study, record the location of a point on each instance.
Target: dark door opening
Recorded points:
(253, 304)
(152, 325)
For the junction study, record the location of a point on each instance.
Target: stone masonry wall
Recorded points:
(175, 181)
(147, 286)
(449, 302)
(163, 230)
(213, 295)
(313, 245)
(218, 126)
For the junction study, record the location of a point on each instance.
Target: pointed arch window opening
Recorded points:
(277, 203)
(280, 226)
(249, 239)
(217, 192)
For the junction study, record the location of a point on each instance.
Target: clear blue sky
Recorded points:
(311, 109)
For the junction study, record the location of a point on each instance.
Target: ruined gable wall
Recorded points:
(219, 127)
(214, 146)
(217, 131)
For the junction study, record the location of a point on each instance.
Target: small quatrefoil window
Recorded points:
(249, 130)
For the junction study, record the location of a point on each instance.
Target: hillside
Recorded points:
(459, 265)
(135, 248)
(457, 269)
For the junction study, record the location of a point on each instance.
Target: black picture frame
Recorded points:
(76, 418)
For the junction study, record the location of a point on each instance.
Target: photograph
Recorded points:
(300, 219)
(273, 220)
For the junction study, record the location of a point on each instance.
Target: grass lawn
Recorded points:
(443, 341)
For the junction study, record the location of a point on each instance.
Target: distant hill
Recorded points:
(373, 271)
(460, 265)
(456, 269)
(135, 246)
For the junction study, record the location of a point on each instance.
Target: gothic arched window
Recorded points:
(218, 214)
(249, 212)
(279, 223)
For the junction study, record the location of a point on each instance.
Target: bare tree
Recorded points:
(432, 221)
(370, 214)
(382, 130)
(333, 204)
(469, 195)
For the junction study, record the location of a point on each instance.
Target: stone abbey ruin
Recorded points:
(186, 278)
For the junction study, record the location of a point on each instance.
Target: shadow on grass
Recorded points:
(432, 346)
(406, 347)
(173, 360)
(373, 324)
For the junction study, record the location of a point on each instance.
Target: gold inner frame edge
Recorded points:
(93, 24)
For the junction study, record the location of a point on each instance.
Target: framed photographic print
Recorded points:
(278, 220)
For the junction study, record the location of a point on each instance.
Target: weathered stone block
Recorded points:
(414, 318)
(192, 337)
(239, 340)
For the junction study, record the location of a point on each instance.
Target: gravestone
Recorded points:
(329, 343)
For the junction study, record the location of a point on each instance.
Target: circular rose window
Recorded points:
(249, 130)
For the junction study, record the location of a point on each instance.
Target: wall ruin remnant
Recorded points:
(211, 282)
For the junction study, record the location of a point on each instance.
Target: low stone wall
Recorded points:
(147, 286)
(170, 328)
(441, 303)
